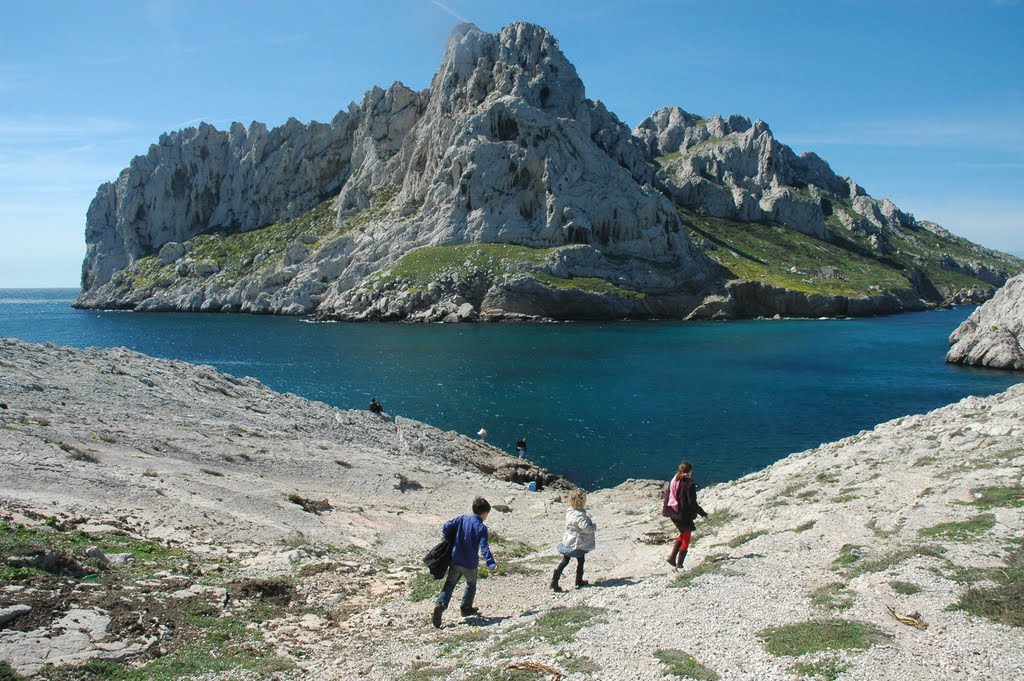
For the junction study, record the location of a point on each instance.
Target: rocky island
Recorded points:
(993, 336)
(502, 192)
(166, 520)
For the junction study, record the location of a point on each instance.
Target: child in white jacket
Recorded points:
(578, 539)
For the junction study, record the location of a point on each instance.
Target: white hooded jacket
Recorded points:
(579, 530)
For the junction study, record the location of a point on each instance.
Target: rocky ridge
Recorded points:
(181, 503)
(993, 336)
(505, 149)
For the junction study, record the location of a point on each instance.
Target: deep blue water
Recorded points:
(598, 402)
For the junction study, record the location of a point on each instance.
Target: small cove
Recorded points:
(598, 402)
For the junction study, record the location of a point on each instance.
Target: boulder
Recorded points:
(993, 336)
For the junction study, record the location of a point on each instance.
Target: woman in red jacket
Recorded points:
(679, 504)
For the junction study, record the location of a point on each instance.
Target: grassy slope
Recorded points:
(762, 252)
(431, 263)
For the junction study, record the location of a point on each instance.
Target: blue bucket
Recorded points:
(532, 486)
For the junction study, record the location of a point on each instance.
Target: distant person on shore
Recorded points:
(482, 434)
(577, 541)
(521, 447)
(376, 407)
(469, 535)
(679, 504)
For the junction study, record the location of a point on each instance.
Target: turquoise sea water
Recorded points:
(598, 402)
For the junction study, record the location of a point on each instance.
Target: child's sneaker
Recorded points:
(469, 612)
(436, 617)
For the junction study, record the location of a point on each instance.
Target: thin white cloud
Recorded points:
(448, 10)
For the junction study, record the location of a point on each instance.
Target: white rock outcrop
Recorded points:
(993, 336)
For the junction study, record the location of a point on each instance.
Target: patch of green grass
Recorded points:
(424, 671)
(424, 586)
(853, 560)
(827, 478)
(834, 596)
(759, 252)
(497, 674)
(766, 253)
(711, 565)
(998, 497)
(928, 460)
(510, 548)
(1003, 600)
(848, 555)
(557, 626)
(221, 643)
(885, 534)
(683, 664)
(586, 285)
(21, 540)
(577, 664)
(960, 531)
(746, 537)
(426, 264)
(819, 635)
(847, 494)
(710, 527)
(7, 672)
(240, 254)
(904, 588)
(828, 669)
(459, 640)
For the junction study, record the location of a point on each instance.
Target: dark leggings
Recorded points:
(565, 562)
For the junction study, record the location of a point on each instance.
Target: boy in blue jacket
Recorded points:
(469, 535)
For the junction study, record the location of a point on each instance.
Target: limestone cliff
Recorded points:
(993, 336)
(503, 192)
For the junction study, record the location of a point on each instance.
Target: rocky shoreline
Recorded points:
(158, 515)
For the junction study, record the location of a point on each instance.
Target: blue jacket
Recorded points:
(470, 535)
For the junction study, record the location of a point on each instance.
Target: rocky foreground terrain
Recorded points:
(503, 192)
(993, 336)
(161, 520)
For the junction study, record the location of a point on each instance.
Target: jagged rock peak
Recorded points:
(522, 60)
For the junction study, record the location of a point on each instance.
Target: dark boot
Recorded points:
(580, 582)
(675, 551)
(558, 574)
(680, 559)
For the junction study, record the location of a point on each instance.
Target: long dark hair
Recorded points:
(684, 469)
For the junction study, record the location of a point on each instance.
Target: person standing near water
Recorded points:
(577, 541)
(679, 504)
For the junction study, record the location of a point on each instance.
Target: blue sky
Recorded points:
(918, 101)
